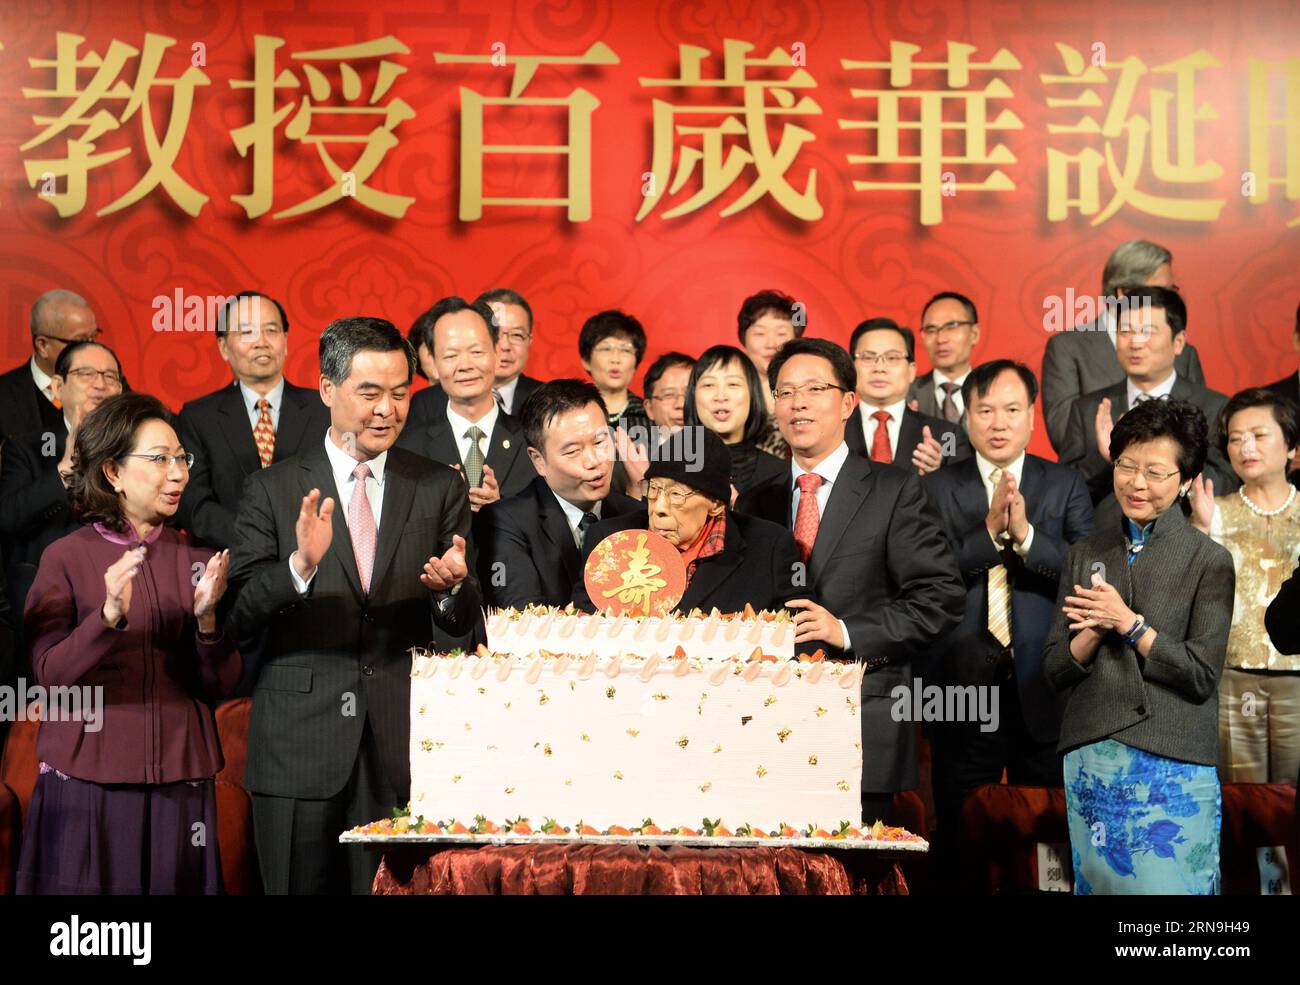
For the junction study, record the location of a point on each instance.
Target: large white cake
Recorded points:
(591, 732)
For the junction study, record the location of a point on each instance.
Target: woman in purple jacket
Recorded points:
(124, 635)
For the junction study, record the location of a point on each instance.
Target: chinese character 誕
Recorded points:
(579, 106)
(901, 111)
(717, 153)
(335, 91)
(639, 579)
(1134, 134)
(105, 103)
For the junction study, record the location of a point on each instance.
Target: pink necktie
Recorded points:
(361, 525)
(806, 518)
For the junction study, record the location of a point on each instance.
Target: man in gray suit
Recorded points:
(950, 327)
(1081, 360)
(1152, 331)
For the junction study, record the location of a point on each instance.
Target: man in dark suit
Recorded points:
(528, 544)
(514, 323)
(472, 434)
(1151, 334)
(27, 402)
(879, 567)
(950, 328)
(1010, 517)
(34, 510)
(334, 596)
(259, 419)
(1083, 359)
(884, 354)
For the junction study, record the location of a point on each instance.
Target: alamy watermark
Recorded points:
(58, 703)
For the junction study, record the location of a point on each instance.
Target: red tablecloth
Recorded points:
(632, 870)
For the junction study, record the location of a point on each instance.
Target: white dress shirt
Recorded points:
(342, 465)
(507, 391)
(42, 380)
(1016, 468)
(574, 516)
(956, 394)
(274, 398)
(460, 425)
(1161, 389)
(895, 412)
(829, 470)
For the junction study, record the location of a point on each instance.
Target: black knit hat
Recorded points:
(695, 457)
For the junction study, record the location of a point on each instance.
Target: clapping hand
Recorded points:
(442, 574)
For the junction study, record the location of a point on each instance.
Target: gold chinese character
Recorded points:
(639, 581)
(346, 182)
(720, 160)
(1127, 136)
(580, 104)
(85, 112)
(1262, 125)
(933, 121)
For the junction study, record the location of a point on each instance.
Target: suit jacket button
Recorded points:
(368, 670)
(1141, 709)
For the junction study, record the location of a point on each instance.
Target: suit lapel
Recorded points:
(855, 434)
(441, 444)
(847, 495)
(713, 571)
(317, 474)
(293, 422)
(909, 436)
(555, 528)
(398, 494)
(237, 430)
(507, 445)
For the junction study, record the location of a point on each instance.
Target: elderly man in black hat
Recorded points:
(731, 559)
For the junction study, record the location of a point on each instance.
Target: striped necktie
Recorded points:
(999, 591)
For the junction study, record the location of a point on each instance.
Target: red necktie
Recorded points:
(807, 519)
(361, 526)
(880, 451)
(264, 433)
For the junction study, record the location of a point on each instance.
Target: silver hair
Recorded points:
(1132, 263)
(53, 297)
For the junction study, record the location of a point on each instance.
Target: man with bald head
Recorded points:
(27, 400)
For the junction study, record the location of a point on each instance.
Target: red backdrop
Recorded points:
(869, 253)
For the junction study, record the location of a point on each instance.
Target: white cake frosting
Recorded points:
(612, 740)
(702, 637)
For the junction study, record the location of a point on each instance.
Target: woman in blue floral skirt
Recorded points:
(1138, 648)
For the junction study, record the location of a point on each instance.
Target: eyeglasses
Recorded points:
(515, 338)
(676, 495)
(947, 328)
(80, 338)
(890, 359)
(87, 375)
(614, 348)
(669, 396)
(1130, 469)
(814, 390)
(1134, 331)
(166, 461)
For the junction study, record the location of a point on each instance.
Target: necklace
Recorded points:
(1259, 512)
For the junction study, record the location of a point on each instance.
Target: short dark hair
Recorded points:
(107, 434)
(881, 324)
(979, 379)
(660, 366)
(1164, 298)
(961, 299)
(343, 338)
(610, 324)
(1285, 412)
(846, 376)
(720, 355)
(503, 295)
(223, 313)
(757, 305)
(450, 306)
(64, 361)
(552, 399)
(1175, 419)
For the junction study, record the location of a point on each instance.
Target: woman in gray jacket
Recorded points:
(1138, 648)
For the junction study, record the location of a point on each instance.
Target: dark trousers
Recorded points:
(298, 848)
(964, 759)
